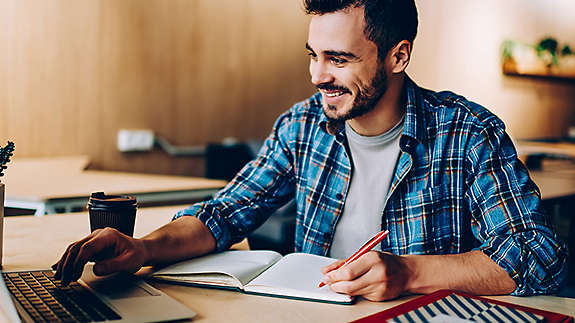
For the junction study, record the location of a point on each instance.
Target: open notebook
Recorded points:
(260, 272)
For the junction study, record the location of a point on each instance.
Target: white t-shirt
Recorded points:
(373, 164)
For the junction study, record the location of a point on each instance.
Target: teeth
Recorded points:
(333, 94)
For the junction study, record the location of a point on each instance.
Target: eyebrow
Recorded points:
(334, 52)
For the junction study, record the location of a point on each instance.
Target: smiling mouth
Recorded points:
(334, 94)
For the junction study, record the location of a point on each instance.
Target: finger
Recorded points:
(123, 262)
(59, 264)
(85, 253)
(352, 270)
(362, 285)
(67, 265)
(62, 261)
(332, 266)
(92, 250)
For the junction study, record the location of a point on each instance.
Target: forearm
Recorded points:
(183, 238)
(472, 272)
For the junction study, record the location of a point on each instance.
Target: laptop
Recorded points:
(35, 296)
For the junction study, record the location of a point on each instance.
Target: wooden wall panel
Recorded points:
(194, 71)
(458, 48)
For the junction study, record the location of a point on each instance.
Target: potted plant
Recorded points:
(547, 58)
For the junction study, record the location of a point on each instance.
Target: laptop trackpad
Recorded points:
(117, 286)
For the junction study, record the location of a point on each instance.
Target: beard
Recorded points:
(365, 100)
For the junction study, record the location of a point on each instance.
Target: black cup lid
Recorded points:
(100, 199)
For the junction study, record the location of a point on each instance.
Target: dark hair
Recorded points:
(387, 22)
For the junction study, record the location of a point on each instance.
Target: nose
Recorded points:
(319, 72)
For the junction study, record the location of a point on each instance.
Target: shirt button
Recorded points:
(338, 196)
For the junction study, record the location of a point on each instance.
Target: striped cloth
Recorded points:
(468, 309)
(458, 186)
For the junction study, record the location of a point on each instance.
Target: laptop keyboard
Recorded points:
(46, 300)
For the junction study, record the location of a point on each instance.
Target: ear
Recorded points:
(400, 55)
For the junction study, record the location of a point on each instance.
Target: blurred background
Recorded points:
(73, 73)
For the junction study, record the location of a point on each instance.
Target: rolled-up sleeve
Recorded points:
(262, 186)
(507, 217)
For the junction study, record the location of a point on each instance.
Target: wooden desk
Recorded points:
(558, 149)
(556, 178)
(556, 181)
(554, 185)
(37, 242)
(57, 185)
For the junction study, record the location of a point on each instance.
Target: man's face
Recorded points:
(344, 64)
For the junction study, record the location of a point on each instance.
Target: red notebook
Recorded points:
(464, 306)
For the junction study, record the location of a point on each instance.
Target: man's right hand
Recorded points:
(183, 238)
(111, 250)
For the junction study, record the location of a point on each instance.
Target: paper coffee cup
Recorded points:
(114, 211)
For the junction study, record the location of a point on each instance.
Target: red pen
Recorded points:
(363, 250)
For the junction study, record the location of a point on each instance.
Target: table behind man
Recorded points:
(461, 208)
(35, 242)
(62, 184)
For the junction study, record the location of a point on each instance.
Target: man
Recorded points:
(372, 151)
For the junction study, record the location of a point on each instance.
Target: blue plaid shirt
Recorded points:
(458, 186)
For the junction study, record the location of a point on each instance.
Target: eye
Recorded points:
(338, 61)
(312, 55)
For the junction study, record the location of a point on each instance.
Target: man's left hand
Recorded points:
(376, 276)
